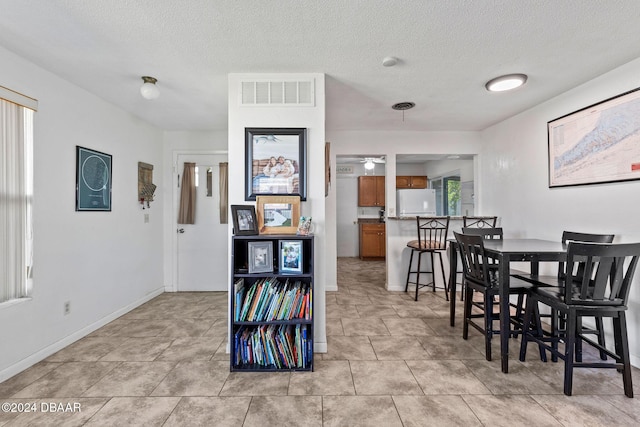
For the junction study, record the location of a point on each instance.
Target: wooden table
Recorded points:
(505, 252)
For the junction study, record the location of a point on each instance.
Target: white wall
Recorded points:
(514, 177)
(313, 119)
(104, 263)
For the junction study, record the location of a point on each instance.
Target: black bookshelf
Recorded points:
(271, 310)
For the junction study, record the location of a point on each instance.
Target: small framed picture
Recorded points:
(291, 256)
(260, 257)
(278, 214)
(244, 220)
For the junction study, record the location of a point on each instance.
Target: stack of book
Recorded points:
(273, 346)
(269, 299)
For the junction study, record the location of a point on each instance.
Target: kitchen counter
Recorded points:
(370, 221)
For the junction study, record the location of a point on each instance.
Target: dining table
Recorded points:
(505, 252)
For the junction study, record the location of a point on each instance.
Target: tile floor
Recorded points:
(390, 362)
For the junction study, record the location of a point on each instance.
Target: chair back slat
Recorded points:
(486, 233)
(568, 236)
(474, 263)
(479, 221)
(606, 275)
(432, 231)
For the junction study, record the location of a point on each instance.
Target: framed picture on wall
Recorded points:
(275, 162)
(93, 180)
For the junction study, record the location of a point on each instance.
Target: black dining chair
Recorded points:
(559, 281)
(479, 276)
(432, 240)
(600, 289)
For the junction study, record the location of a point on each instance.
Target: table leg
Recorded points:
(453, 267)
(504, 312)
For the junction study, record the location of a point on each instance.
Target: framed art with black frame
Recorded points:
(597, 144)
(275, 162)
(93, 180)
(260, 257)
(244, 220)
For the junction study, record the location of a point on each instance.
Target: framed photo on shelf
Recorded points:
(597, 144)
(260, 257)
(278, 214)
(245, 222)
(275, 162)
(93, 180)
(291, 256)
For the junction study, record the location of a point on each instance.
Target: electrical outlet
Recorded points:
(67, 307)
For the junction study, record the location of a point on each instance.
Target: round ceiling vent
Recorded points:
(403, 106)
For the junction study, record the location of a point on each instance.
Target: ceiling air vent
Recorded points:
(277, 93)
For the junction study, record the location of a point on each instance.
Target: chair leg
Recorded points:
(622, 350)
(488, 324)
(578, 350)
(539, 331)
(569, 342)
(433, 273)
(555, 333)
(418, 274)
(406, 285)
(526, 325)
(444, 278)
(467, 312)
(600, 328)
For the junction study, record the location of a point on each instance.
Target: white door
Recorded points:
(347, 217)
(202, 256)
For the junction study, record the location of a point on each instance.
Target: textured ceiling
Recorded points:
(447, 49)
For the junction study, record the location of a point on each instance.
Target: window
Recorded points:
(16, 194)
(447, 195)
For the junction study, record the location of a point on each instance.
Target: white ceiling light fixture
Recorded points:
(506, 82)
(368, 165)
(389, 61)
(149, 90)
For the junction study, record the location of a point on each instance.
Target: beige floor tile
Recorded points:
(303, 411)
(349, 348)
(334, 327)
(16, 383)
(342, 311)
(519, 380)
(445, 377)
(194, 378)
(450, 347)
(413, 326)
(70, 379)
(441, 411)
(398, 348)
(66, 412)
(256, 384)
(584, 410)
(329, 377)
(369, 326)
(358, 411)
(134, 411)
(421, 311)
(383, 377)
(178, 328)
(377, 311)
(509, 411)
(88, 349)
(190, 348)
(201, 411)
(131, 379)
(144, 349)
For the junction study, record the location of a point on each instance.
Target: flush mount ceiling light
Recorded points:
(149, 90)
(368, 165)
(389, 61)
(506, 82)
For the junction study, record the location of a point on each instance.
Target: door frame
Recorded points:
(174, 206)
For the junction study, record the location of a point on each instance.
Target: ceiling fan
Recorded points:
(370, 162)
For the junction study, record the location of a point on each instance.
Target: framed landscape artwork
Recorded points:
(275, 162)
(597, 144)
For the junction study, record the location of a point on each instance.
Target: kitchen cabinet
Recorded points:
(371, 191)
(372, 241)
(415, 181)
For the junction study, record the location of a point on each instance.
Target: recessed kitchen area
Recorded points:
(376, 214)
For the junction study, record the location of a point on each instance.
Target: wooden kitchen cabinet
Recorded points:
(372, 241)
(371, 191)
(405, 181)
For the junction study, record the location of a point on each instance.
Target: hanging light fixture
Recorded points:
(149, 90)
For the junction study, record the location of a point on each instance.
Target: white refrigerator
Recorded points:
(416, 202)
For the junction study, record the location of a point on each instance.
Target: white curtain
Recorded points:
(16, 198)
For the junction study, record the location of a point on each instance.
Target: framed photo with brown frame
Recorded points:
(275, 162)
(597, 144)
(245, 222)
(260, 257)
(278, 214)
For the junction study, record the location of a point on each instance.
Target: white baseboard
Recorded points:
(29, 361)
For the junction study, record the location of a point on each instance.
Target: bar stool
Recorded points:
(432, 239)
